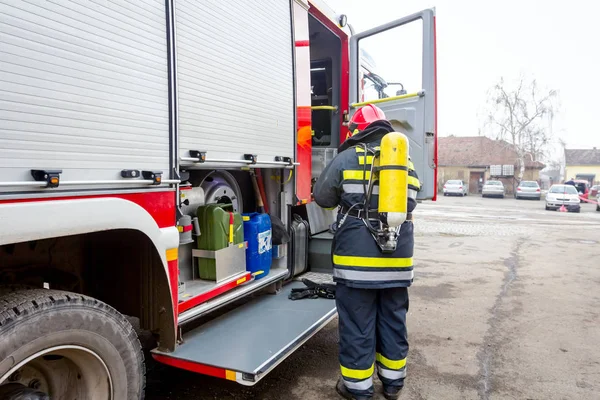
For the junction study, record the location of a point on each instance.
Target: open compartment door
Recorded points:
(394, 67)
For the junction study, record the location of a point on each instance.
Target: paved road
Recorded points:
(505, 305)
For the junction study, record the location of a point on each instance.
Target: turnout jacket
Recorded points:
(357, 260)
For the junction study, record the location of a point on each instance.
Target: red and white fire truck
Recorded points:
(118, 119)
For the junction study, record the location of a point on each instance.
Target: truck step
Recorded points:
(246, 343)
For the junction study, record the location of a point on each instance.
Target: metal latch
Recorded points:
(130, 173)
(284, 159)
(200, 155)
(51, 177)
(156, 176)
(251, 157)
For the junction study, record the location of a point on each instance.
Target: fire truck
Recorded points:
(119, 120)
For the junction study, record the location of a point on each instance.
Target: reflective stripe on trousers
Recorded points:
(390, 374)
(391, 369)
(358, 379)
(359, 385)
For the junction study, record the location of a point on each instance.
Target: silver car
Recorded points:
(493, 189)
(563, 195)
(456, 187)
(528, 190)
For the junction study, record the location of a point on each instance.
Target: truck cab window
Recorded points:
(391, 62)
(370, 90)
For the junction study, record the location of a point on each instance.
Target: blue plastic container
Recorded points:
(257, 232)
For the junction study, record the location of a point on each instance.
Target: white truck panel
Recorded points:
(235, 78)
(83, 88)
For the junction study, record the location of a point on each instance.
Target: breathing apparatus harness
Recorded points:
(390, 168)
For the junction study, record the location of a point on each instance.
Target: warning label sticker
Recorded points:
(264, 241)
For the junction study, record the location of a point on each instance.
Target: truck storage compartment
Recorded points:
(246, 343)
(235, 79)
(84, 90)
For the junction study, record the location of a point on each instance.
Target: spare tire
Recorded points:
(67, 346)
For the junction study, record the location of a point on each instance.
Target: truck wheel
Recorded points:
(66, 346)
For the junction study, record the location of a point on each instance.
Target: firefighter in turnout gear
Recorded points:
(371, 292)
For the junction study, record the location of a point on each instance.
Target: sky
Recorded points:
(478, 42)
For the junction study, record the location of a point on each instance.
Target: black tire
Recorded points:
(11, 288)
(597, 208)
(32, 321)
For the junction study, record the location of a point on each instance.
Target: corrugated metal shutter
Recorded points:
(235, 78)
(83, 88)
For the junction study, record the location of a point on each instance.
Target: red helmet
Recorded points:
(365, 116)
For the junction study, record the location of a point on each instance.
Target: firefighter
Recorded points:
(371, 292)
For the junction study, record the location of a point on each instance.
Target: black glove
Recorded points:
(313, 290)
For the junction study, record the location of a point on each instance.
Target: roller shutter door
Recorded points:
(235, 78)
(83, 88)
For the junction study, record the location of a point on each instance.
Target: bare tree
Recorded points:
(522, 116)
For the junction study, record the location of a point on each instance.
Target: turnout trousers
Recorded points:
(372, 331)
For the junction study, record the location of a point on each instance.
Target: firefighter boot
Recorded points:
(343, 391)
(392, 392)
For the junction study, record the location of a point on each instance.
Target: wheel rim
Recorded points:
(67, 372)
(221, 187)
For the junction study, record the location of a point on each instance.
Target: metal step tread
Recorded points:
(253, 338)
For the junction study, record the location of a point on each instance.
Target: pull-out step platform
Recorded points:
(246, 343)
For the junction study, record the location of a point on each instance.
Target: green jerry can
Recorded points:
(214, 234)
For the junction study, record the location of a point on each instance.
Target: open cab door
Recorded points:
(394, 67)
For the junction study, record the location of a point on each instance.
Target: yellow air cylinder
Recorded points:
(393, 178)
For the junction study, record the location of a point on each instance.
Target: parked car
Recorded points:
(455, 187)
(560, 195)
(528, 190)
(493, 189)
